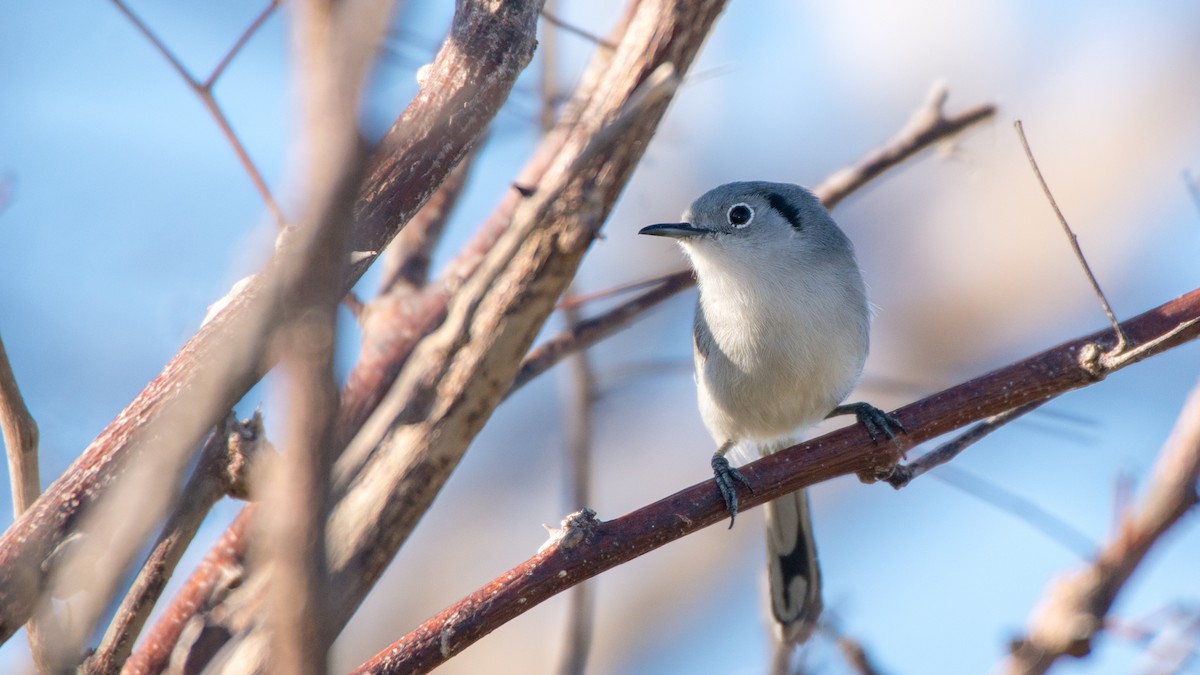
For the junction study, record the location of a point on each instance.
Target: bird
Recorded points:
(780, 336)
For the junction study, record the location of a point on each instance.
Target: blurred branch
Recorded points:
(1192, 183)
(420, 430)
(333, 47)
(553, 20)
(605, 545)
(20, 433)
(928, 125)
(222, 361)
(581, 398)
(587, 332)
(222, 470)
(579, 411)
(391, 327)
(1057, 529)
(1072, 610)
(20, 438)
(903, 474)
(204, 90)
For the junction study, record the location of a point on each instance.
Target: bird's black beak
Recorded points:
(673, 230)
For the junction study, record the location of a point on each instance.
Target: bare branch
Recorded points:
(1073, 240)
(406, 261)
(572, 28)
(222, 468)
(903, 474)
(503, 304)
(204, 91)
(334, 45)
(565, 562)
(21, 443)
(208, 375)
(1072, 610)
(588, 332)
(1192, 183)
(928, 125)
(465, 86)
(20, 438)
(257, 23)
(581, 400)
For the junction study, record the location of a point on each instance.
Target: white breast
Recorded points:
(787, 348)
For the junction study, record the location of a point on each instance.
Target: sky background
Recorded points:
(124, 214)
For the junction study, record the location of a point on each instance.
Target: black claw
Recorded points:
(874, 419)
(727, 479)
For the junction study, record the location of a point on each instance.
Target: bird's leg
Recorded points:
(727, 479)
(874, 419)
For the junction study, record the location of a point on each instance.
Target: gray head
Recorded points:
(756, 223)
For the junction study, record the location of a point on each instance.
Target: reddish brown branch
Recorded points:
(417, 155)
(1072, 610)
(21, 443)
(204, 90)
(222, 468)
(20, 438)
(466, 86)
(928, 124)
(846, 451)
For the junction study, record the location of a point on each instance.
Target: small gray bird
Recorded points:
(780, 337)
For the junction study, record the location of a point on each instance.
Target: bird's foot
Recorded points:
(728, 478)
(874, 419)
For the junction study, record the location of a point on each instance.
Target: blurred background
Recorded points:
(123, 214)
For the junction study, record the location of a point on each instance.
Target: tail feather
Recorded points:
(793, 571)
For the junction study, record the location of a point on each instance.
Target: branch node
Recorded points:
(575, 529)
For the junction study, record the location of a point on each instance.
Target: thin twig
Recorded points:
(590, 331)
(1029, 512)
(204, 90)
(1074, 241)
(927, 125)
(579, 413)
(580, 401)
(239, 43)
(572, 28)
(1192, 182)
(1072, 610)
(20, 439)
(577, 300)
(903, 474)
(221, 470)
(996, 495)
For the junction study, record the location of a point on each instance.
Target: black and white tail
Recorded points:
(794, 575)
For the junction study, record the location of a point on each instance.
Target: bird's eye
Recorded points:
(740, 215)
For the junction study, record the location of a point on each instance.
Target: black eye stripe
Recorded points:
(785, 208)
